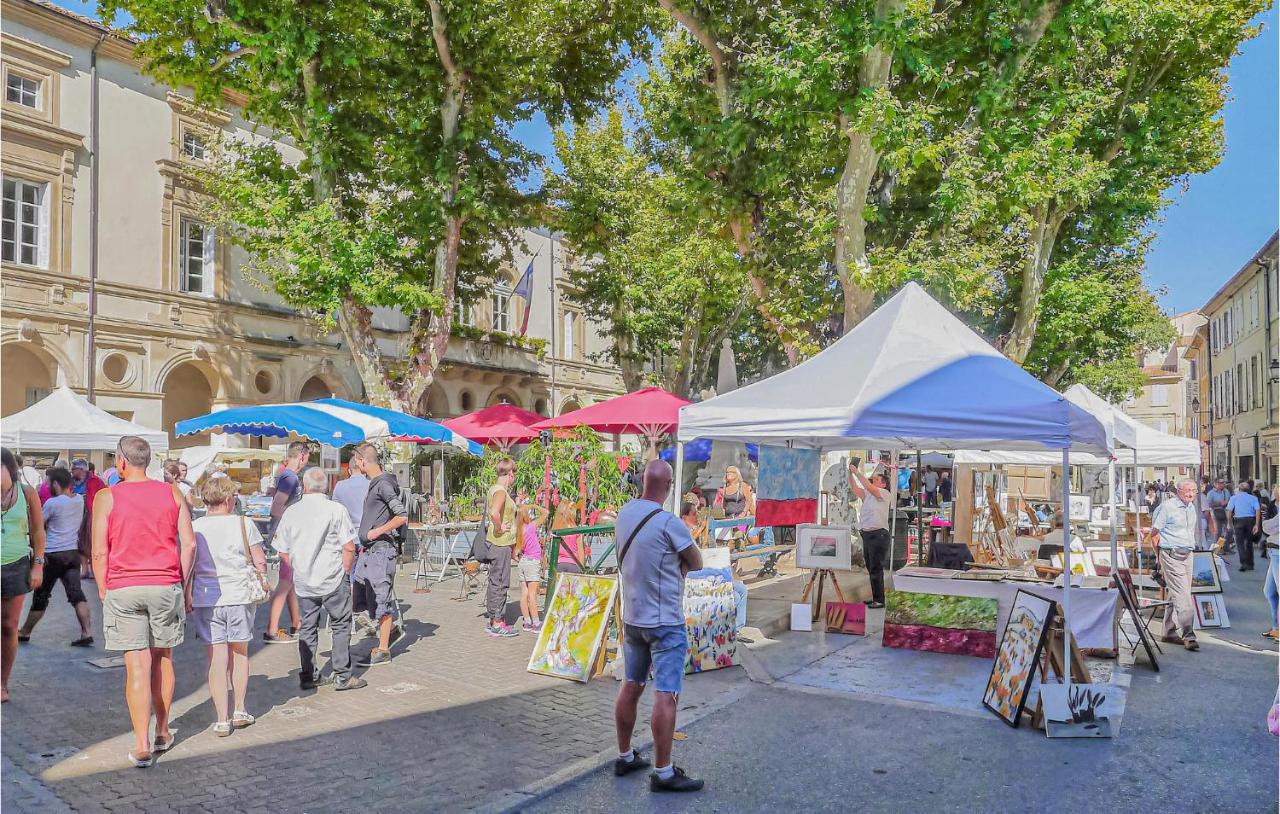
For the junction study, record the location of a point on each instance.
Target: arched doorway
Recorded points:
(434, 404)
(569, 406)
(540, 407)
(315, 388)
(27, 379)
(187, 394)
(503, 396)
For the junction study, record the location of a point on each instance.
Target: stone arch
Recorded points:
(211, 377)
(435, 403)
(466, 401)
(503, 394)
(187, 393)
(569, 405)
(540, 406)
(316, 387)
(30, 373)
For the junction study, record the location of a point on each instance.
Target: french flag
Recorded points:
(524, 289)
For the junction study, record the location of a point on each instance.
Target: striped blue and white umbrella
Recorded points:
(329, 421)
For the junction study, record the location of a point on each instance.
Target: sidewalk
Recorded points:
(455, 723)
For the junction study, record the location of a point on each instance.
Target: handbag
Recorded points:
(480, 548)
(259, 587)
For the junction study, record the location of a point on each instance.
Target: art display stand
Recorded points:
(603, 660)
(817, 577)
(1051, 666)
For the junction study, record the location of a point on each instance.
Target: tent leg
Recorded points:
(678, 491)
(919, 511)
(1067, 638)
(1111, 503)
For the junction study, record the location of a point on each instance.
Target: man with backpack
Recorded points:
(380, 529)
(656, 551)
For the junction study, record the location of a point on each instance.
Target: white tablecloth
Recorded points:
(1093, 610)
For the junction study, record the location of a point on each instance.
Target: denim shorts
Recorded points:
(663, 648)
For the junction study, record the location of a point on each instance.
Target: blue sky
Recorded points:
(1210, 230)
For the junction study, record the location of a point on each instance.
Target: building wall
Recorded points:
(163, 354)
(1162, 404)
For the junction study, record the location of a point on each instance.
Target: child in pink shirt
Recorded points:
(529, 517)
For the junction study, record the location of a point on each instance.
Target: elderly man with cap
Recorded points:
(1174, 526)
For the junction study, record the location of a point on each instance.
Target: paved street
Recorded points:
(455, 723)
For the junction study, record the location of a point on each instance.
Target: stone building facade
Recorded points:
(175, 327)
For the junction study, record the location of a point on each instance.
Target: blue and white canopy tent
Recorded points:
(335, 422)
(910, 376)
(699, 450)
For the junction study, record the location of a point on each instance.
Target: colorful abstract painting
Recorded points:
(574, 627)
(788, 491)
(961, 625)
(1015, 663)
(847, 617)
(709, 613)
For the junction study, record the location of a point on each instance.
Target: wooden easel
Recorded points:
(819, 576)
(1051, 665)
(602, 657)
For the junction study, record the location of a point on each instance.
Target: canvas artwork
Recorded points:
(574, 627)
(847, 617)
(801, 618)
(1204, 573)
(1081, 508)
(960, 625)
(1015, 663)
(823, 546)
(709, 618)
(1100, 558)
(1078, 711)
(788, 490)
(1081, 565)
(1211, 611)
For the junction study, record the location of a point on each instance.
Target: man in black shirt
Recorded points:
(384, 515)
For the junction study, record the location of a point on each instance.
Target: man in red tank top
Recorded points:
(142, 570)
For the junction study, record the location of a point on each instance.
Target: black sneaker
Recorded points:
(352, 683)
(376, 657)
(315, 683)
(622, 768)
(875, 604)
(678, 781)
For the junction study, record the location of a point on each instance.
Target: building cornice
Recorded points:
(1251, 267)
(17, 126)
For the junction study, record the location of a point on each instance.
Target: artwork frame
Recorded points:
(1081, 564)
(1211, 612)
(1081, 507)
(1124, 582)
(1100, 558)
(849, 618)
(1205, 579)
(1018, 656)
(709, 616)
(824, 547)
(571, 636)
(1077, 711)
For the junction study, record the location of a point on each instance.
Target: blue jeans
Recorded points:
(663, 648)
(1272, 588)
(740, 603)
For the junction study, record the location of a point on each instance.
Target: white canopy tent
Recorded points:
(65, 420)
(200, 458)
(910, 376)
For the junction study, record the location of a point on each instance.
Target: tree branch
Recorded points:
(226, 59)
(719, 57)
(439, 33)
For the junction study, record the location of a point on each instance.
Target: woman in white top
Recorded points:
(222, 596)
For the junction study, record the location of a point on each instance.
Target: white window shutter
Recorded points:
(42, 252)
(207, 260)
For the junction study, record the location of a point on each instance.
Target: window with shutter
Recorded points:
(197, 253)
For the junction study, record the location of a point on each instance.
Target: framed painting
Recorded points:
(941, 623)
(1019, 653)
(1211, 611)
(1100, 558)
(1204, 573)
(823, 546)
(847, 617)
(709, 615)
(1078, 711)
(1080, 563)
(1129, 596)
(1081, 508)
(574, 628)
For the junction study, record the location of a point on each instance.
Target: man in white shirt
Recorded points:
(315, 536)
(63, 515)
(873, 523)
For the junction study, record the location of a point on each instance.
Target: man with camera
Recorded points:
(380, 528)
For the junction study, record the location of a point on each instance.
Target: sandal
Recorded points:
(1272, 634)
(140, 762)
(222, 729)
(24, 637)
(86, 641)
(160, 746)
(240, 719)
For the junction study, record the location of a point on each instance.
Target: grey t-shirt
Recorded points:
(652, 585)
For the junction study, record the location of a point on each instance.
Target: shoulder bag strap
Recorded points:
(244, 540)
(622, 552)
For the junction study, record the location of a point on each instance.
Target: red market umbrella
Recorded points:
(500, 425)
(650, 412)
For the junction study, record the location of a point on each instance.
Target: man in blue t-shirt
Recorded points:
(288, 491)
(1243, 516)
(655, 552)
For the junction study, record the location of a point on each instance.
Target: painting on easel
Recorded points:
(1015, 662)
(575, 626)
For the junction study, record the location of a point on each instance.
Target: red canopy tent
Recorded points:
(651, 412)
(500, 425)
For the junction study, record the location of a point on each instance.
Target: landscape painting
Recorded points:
(1204, 573)
(960, 625)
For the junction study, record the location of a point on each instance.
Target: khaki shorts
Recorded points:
(530, 570)
(143, 616)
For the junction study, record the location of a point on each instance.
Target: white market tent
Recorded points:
(910, 376)
(65, 420)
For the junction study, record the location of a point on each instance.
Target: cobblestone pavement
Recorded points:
(455, 723)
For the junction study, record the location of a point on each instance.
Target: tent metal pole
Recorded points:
(1111, 503)
(678, 492)
(919, 510)
(1066, 565)
(893, 511)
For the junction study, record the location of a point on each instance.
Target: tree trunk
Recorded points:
(744, 240)
(355, 323)
(1044, 233)
(852, 269)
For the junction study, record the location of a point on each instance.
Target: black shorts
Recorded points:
(15, 578)
(64, 567)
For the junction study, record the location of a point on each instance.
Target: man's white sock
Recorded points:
(665, 772)
(628, 755)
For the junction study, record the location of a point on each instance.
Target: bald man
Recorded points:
(655, 552)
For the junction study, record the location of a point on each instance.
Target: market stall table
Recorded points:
(441, 547)
(1093, 610)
